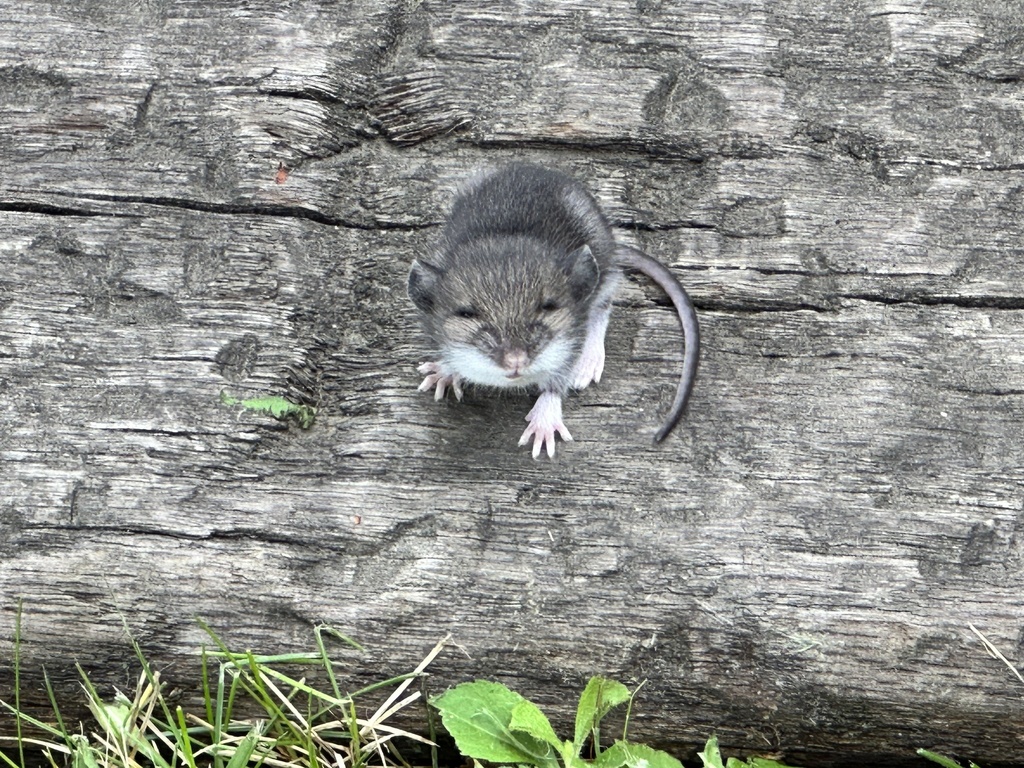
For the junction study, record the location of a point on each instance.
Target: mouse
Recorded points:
(518, 292)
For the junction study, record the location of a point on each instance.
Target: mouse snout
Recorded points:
(514, 362)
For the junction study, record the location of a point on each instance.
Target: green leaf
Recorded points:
(711, 756)
(642, 756)
(526, 716)
(600, 695)
(478, 715)
(613, 757)
(570, 760)
(942, 760)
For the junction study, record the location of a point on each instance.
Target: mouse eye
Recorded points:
(549, 305)
(466, 313)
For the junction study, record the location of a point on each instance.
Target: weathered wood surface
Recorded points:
(840, 185)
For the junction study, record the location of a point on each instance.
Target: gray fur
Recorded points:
(527, 257)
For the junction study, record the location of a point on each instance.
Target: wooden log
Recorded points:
(198, 200)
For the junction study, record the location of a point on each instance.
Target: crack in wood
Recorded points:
(964, 302)
(57, 210)
(237, 209)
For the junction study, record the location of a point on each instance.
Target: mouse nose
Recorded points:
(515, 361)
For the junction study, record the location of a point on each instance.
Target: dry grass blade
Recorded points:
(300, 685)
(379, 715)
(379, 727)
(994, 652)
(376, 744)
(41, 743)
(378, 718)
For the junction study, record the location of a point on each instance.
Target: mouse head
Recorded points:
(506, 311)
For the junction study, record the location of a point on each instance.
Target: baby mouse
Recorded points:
(518, 292)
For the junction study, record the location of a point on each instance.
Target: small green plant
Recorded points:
(278, 407)
(494, 723)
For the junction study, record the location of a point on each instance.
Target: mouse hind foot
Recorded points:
(590, 364)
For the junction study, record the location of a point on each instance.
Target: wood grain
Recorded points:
(198, 198)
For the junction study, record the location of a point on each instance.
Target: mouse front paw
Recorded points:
(439, 381)
(545, 422)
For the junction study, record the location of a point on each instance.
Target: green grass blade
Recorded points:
(10, 763)
(353, 730)
(229, 710)
(184, 739)
(242, 659)
(52, 697)
(90, 689)
(318, 631)
(384, 684)
(205, 672)
(321, 628)
(19, 716)
(942, 760)
(17, 680)
(431, 728)
(243, 753)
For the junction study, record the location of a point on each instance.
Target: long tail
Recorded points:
(654, 269)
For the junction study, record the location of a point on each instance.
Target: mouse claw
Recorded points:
(545, 422)
(435, 379)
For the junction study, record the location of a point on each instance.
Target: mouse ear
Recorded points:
(582, 270)
(423, 279)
